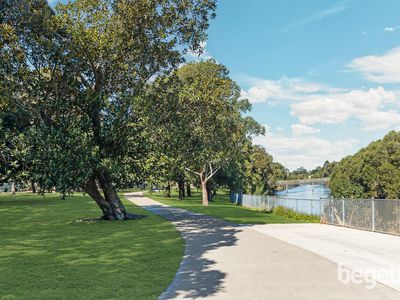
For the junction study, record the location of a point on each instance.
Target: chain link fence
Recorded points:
(380, 215)
(267, 203)
(366, 214)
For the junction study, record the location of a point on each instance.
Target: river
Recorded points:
(306, 191)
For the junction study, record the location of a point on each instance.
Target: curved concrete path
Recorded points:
(224, 261)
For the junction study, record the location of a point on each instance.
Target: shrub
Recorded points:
(290, 213)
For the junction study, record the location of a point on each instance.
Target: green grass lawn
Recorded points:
(46, 254)
(222, 208)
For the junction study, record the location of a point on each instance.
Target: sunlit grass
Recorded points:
(221, 208)
(46, 254)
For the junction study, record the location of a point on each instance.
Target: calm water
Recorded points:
(306, 191)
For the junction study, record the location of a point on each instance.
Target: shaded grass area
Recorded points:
(46, 254)
(222, 208)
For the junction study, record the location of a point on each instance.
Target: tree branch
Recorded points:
(212, 173)
(193, 171)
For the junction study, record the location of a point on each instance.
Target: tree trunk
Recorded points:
(33, 187)
(209, 192)
(110, 204)
(168, 191)
(13, 188)
(188, 190)
(181, 187)
(203, 182)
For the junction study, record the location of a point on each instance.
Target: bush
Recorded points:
(290, 213)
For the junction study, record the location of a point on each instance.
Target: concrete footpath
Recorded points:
(375, 255)
(224, 261)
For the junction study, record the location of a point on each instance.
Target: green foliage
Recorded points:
(324, 171)
(319, 172)
(81, 71)
(46, 254)
(299, 173)
(211, 124)
(260, 172)
(15, 164)
(374, 171)
(196, 116)
(290, 213)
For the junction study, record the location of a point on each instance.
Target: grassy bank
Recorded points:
(222, 208)
(46, 254)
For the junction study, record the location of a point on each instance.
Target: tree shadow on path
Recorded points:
(196, 278)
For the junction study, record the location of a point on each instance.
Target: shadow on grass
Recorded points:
(26, 202)
(197, 276)
(42, 246)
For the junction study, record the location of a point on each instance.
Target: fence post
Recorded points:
(373, 214)
(269, 207)
(398, 216)
(320, 207)
(343, 214)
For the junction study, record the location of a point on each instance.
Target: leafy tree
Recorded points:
(15, 164)
(80, 72)
(374, 171)
(324, 171)
(299, 173)
(198, 109)
(261, 172)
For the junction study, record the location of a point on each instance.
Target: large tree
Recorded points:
(374, 171)
(199, 111)
(261, 172)
(80, 72)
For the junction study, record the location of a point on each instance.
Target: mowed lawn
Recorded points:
(46, 254)
(222, 208)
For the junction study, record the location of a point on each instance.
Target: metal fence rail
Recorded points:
(380, 215)
(367, 214)
(267, 203)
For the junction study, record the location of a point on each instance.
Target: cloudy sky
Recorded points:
(323, 76)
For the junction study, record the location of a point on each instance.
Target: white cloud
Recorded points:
(282, 89)
(388, 29)
(200, 56)
(381, 120)
(382, 69)
(315, 103)
(306, 151)
(364, 105)
(301, 129)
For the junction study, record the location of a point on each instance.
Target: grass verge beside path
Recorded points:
(222, 208)
(45, 254)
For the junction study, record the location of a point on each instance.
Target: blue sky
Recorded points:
(323, 76)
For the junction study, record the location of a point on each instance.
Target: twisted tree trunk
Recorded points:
(109, 202)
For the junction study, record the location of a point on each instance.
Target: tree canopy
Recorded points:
(199, 112)
(80, 71)
(374, 171)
